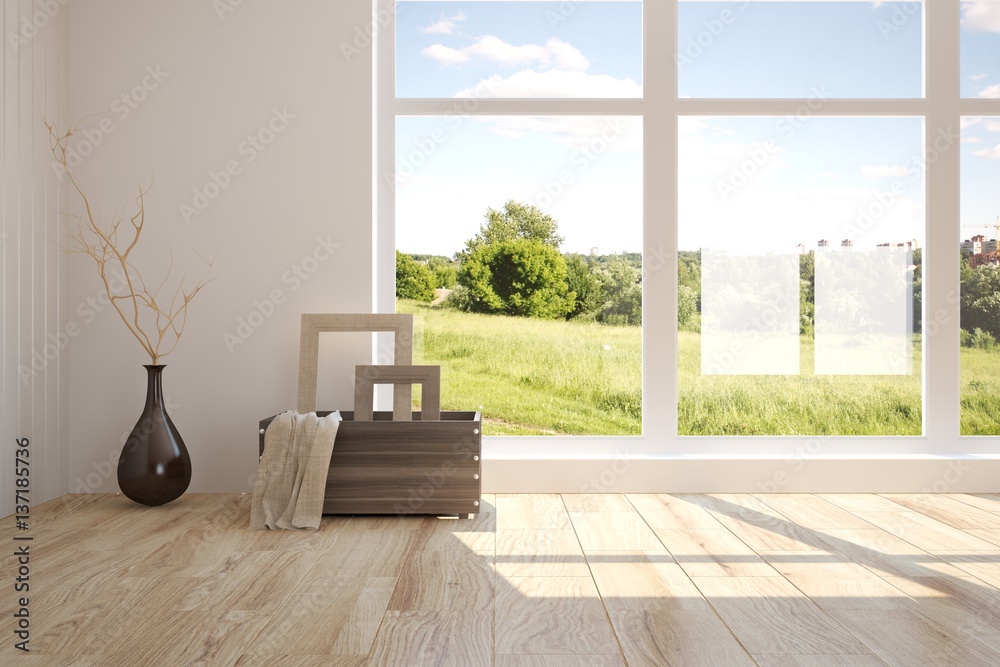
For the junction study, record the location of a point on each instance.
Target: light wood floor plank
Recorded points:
(667, 512)
(887, 555)
(641, 580)
(303, 661)
(813, 512)
(757, 525)
(818, 661)
(948, 511)
(926, 533)
(614, 531)
(438, 581)
(990, 503)
(446, 639)
(714, 553)
(770, 616)
(861, 502)
(677, 638)
(559, 661)
(605, 502)
(540, 553)
(960, 607)
(325, 616)
(369, 546)
(979, 564)
(991, 536)
(904, 639)
(537, 511)
(551, 616)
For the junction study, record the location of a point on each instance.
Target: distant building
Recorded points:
(823, 243)
(984, 259)
(847, 243)
(990, 246)
(974, 246)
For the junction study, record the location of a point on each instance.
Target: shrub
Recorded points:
(413, 280)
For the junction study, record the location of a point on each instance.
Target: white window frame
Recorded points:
(941, 108)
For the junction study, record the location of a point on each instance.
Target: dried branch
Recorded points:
(110, 245)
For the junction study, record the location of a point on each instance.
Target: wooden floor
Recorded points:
(535, 580)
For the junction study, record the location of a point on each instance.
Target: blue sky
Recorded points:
(587, 172)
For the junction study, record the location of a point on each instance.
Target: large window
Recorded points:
(519, 236)
(784, 206)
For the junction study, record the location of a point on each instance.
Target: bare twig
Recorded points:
(110, 246)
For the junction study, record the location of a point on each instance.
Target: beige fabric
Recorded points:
(291, 477)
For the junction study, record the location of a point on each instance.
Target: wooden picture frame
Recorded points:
(366, 377)
(313, 324)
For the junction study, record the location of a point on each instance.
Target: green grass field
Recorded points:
(554, 377)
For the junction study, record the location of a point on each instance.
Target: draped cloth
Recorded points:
(291, 476)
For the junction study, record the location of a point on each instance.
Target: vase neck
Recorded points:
(154, 385)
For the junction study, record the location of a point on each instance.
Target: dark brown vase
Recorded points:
(154, 467)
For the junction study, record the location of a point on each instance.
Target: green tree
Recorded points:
(687, 303)
(520, 277)
(981, 299)
(515, 221)
(623, 293)
(583, 282)
(413, 280)
(807, 293)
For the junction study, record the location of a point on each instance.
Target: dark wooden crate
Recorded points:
(399, 467)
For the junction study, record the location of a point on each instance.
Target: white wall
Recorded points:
(219, 80)
(32, 378)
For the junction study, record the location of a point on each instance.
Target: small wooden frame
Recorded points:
(366, 377)
(313, 324)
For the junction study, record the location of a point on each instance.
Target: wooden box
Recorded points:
(404, 467)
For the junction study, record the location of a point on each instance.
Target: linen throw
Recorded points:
(291, 476)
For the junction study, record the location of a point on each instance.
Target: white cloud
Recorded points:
(445, 55)
(554, 83)
(978, 77)
(972, 140)
(884, 171)
(992, 126)
(989, 153)
(555, 54)
(991, 92)
(446, 25)
(969, 121)
(981, 17)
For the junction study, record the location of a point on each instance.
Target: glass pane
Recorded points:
(519, 49)
(981, 48)
(799, 273)
(761, 49)
(980, 276)
(520, 244)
